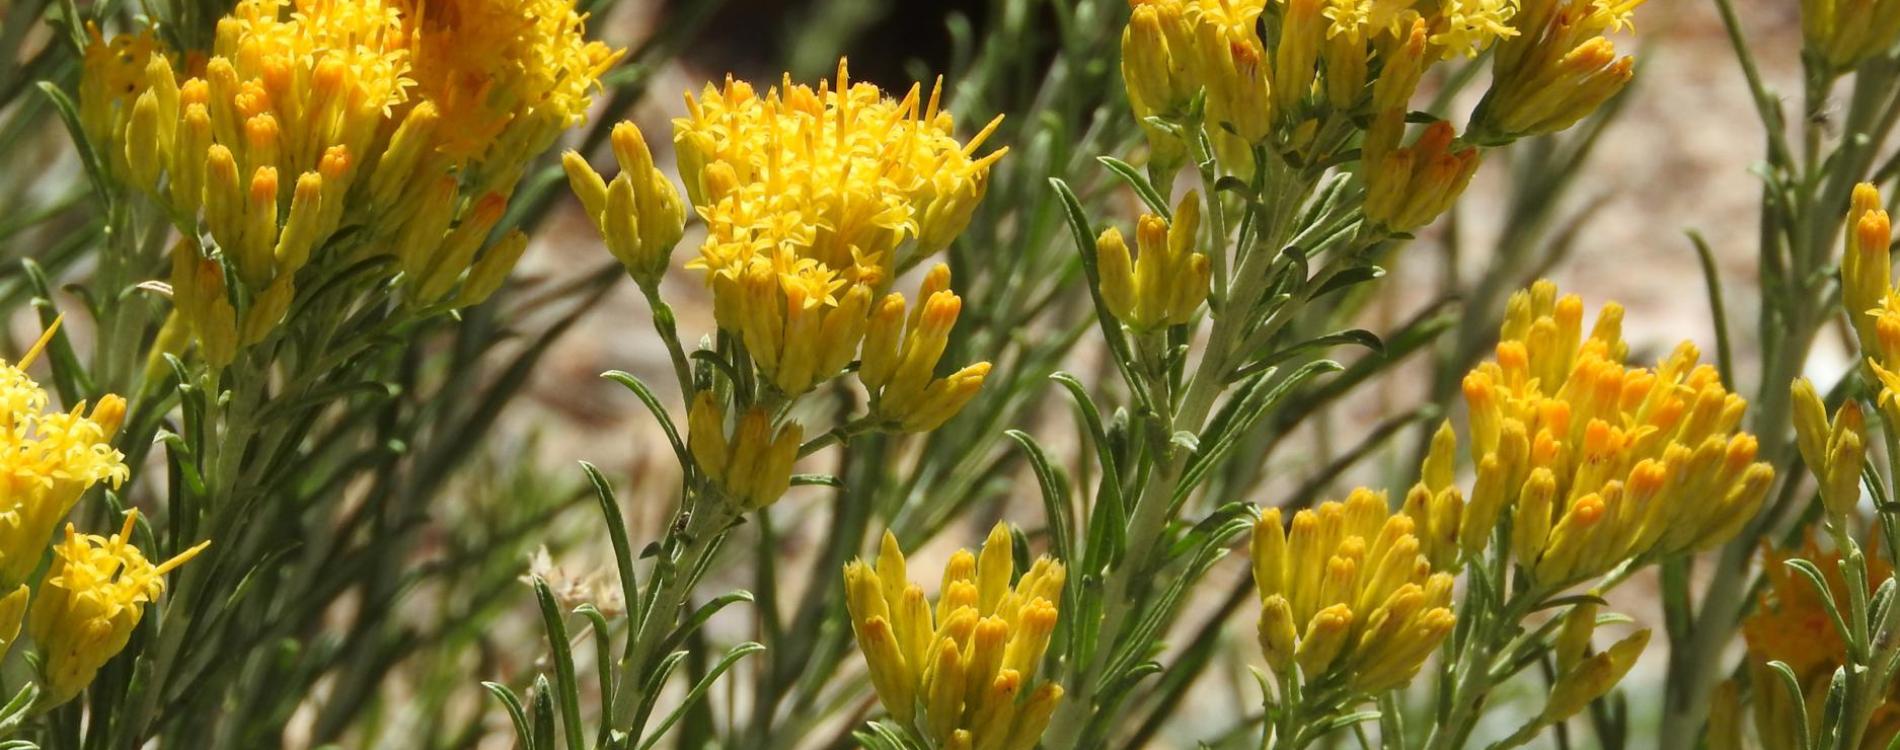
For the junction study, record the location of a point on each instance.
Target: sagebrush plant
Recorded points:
(292, 225)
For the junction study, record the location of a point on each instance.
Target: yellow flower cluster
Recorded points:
(1842, 34)
(1791, 624)
(1171, 49)
(1599, 463)
(1320, 62)
(1408, 187)
(1347, 588)
(1835, 453)
(1582, 676)
(51, 458)
(414, 120)
(964, 675)
(1556, 69)
(753, 465)
(1167, 283)
(91, 600)
(507, 76)
(1868, 294)
(639, 214)
(1436, 504)
(900, 357)
(1867, 276)
(810, 198)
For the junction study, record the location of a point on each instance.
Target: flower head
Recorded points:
(50, 459)
(92, 598)
(972, 663)
(901, 353)
(1834, 453)
(1582, 676)
(808, 196)
(509, 74)
(1600, 463)
(411, 118)
(1468, 27)
(1408, 187)
(1345, 587)
(1844, 33)
(838, 176)
(752, 463)
(1555, 69)
(639, 214)
(1166, 284)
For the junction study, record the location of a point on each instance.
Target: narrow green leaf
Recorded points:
(1809, 571)
(652, 682)
(653, 405)
(1350, 277)
(699, 690)
(1347, 720)
(603, 663)
(1107, 523)
(543, 713)
(563, 657)
(701, 615)
(821, 480)
(1254, 405)
(1055, 493)
(88, 155)
(623, 550)
(1355, 337)
(1156, 202)
(523, 735)
(1797, 698)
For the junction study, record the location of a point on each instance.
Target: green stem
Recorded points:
(696, 542)
(1122, 591)
(1474, 675)
(666, 324)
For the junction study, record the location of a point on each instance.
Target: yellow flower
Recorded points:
(839, 177)
(900, 356)
(1173, 48)
(1435, 505)
(1155, 62)
(1834, 453)
(1592, 677)
(1844, 33)
(508, 75)
(1167, 283)
(201, 302)
(1408, 187)
(752, 466)
(1468, 27)
(1600, 463)
(1868, 296)
(1791, 624)
(1867, 269)
(639, 214)
(89, 603)
(52, 458)
(1295, 57)
(1347, 589)
(112, 82)
(1557, 68)
(808, 195)
(972, 664)
(412, 119)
